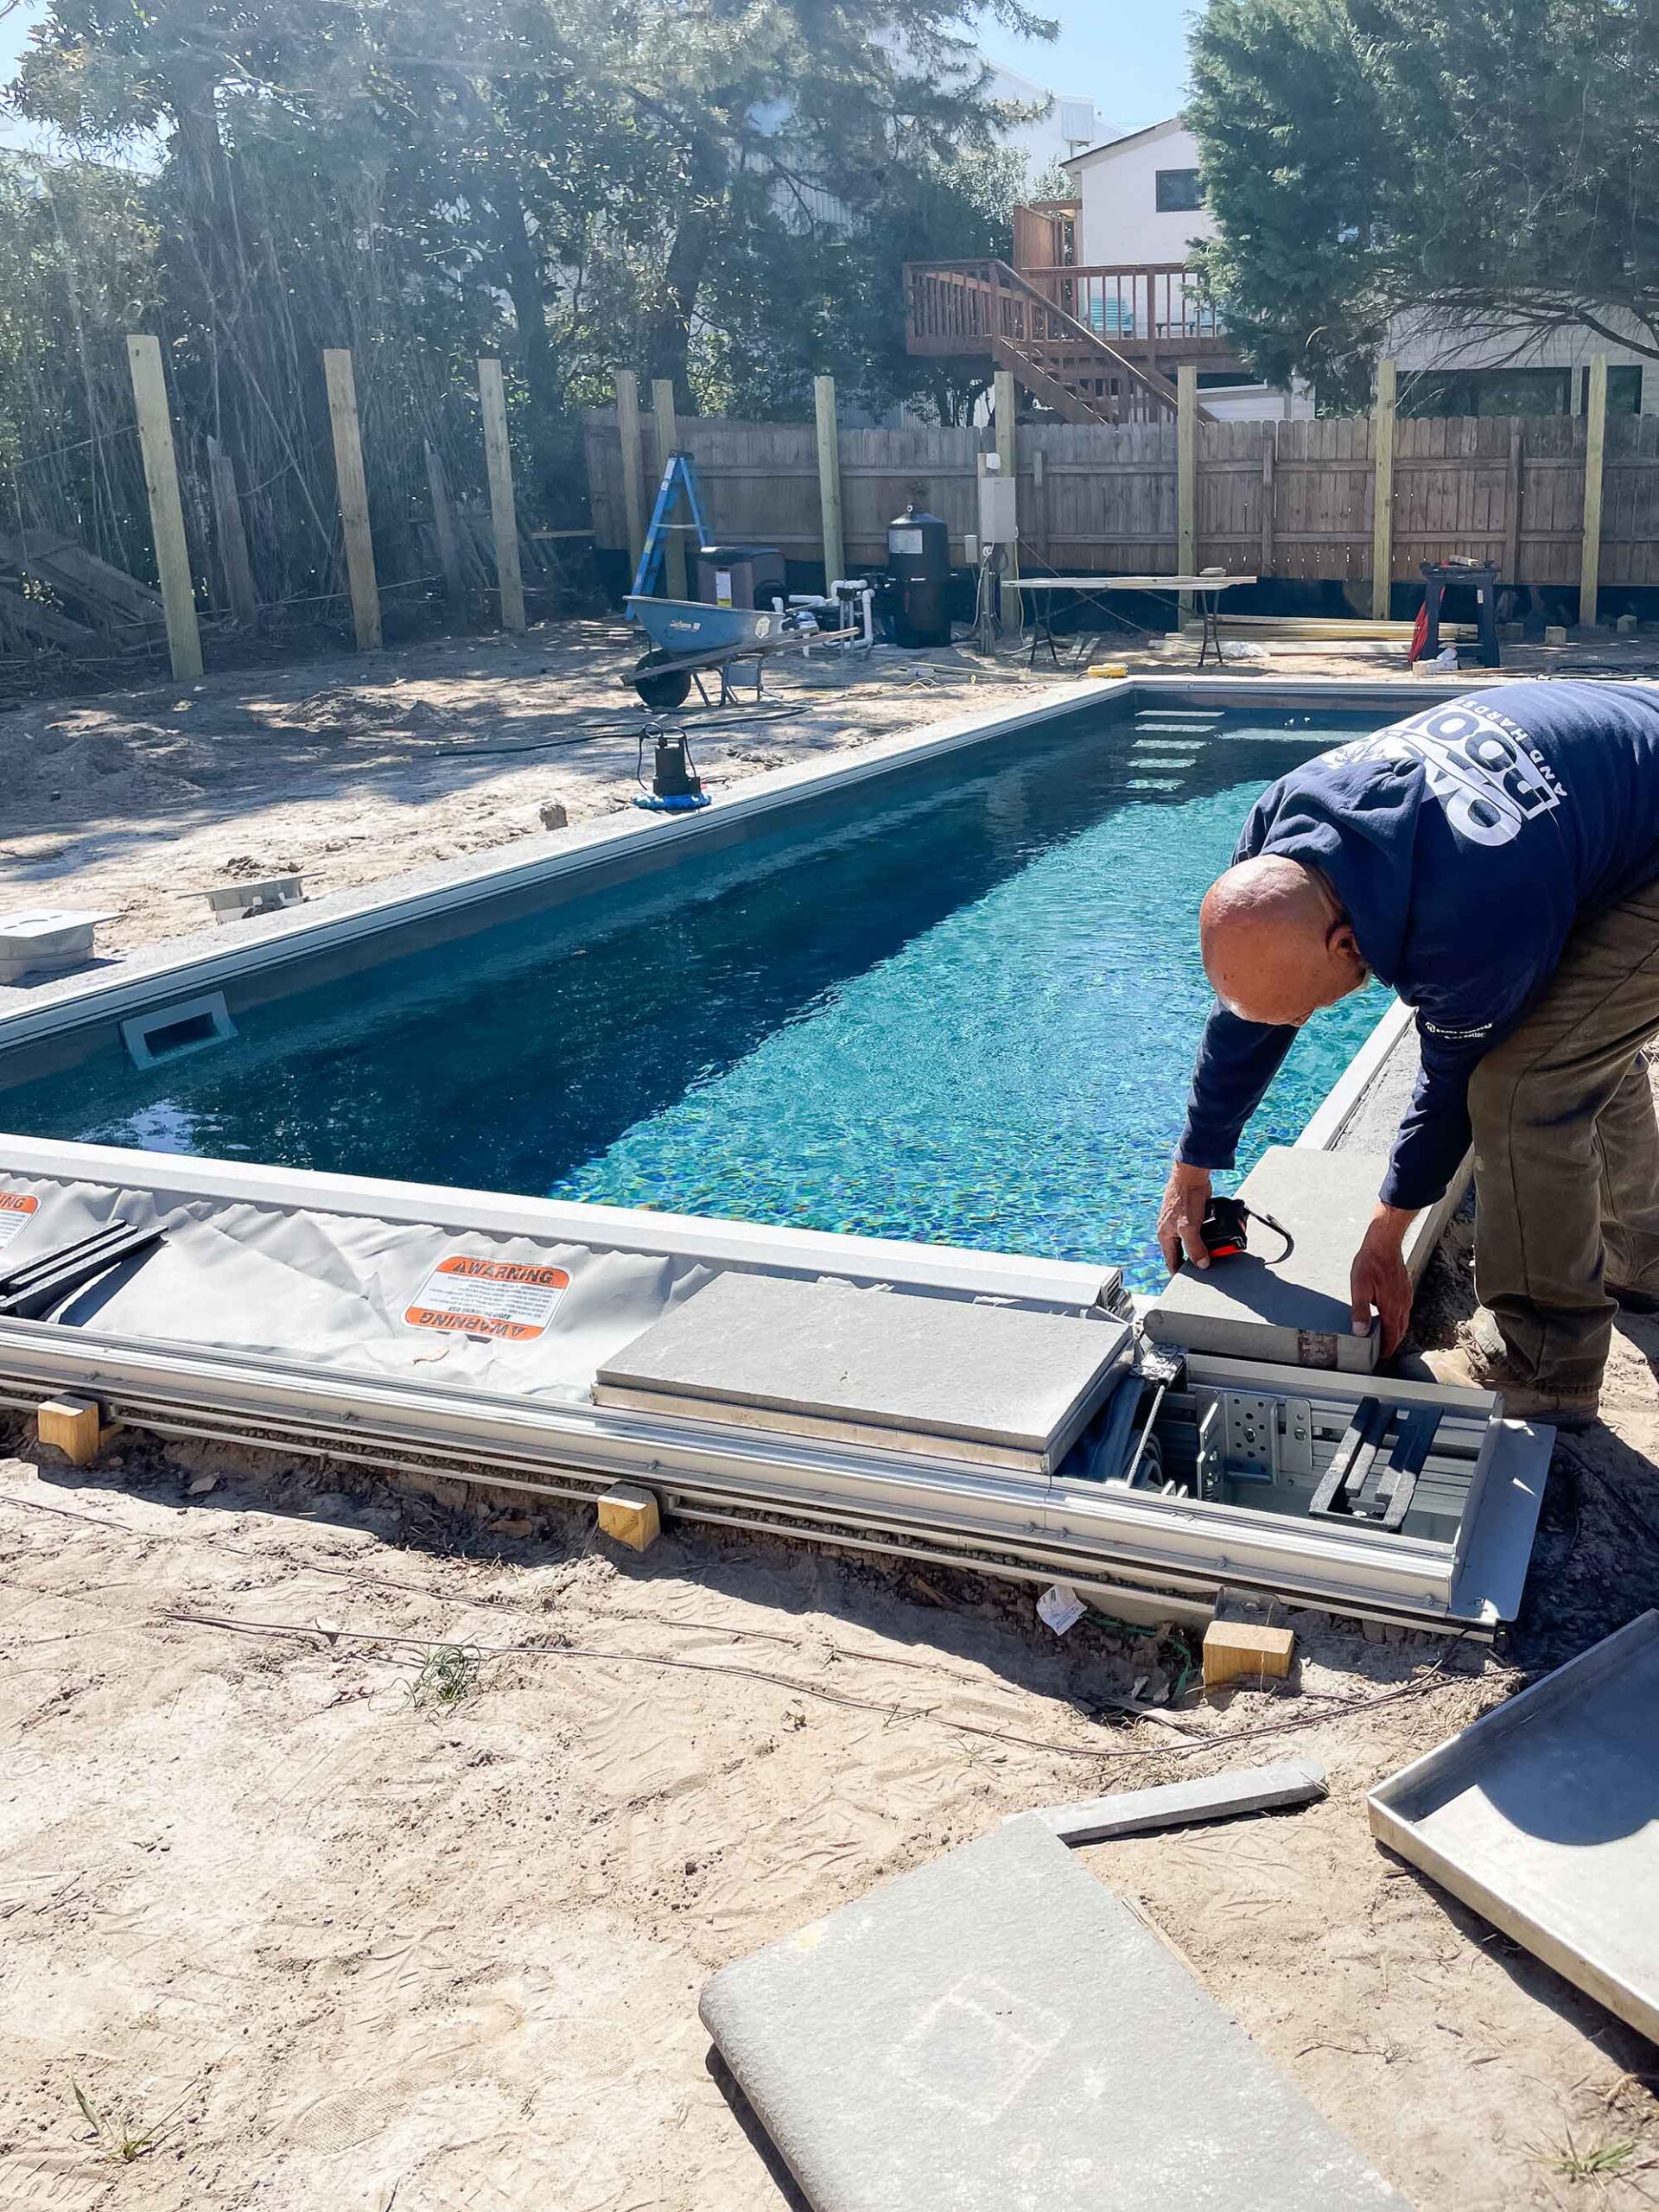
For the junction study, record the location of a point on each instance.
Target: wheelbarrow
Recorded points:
(686, 636)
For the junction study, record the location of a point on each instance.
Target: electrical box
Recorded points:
(998, 515)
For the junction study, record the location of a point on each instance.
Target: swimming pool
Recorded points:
(955, 1006)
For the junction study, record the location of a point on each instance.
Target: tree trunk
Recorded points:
(668, 327)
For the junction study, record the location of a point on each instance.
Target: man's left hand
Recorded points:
(1379, 1282)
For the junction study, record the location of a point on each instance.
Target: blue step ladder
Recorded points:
(679, 482)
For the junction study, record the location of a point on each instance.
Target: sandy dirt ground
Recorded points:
(400, 1891)
(352, 768)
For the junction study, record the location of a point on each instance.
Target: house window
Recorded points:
(1179, 191)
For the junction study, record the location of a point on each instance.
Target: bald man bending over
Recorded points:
(1497, 862)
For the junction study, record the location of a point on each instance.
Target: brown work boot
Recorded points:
(1470, 1366)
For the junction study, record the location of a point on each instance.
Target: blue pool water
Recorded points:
(963, 1013)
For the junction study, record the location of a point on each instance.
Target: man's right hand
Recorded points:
(1180, 1219)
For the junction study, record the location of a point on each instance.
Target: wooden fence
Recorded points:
(1277, 499)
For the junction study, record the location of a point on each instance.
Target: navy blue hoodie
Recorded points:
(1464, 843)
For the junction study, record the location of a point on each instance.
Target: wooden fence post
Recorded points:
(1387, 387)
(232, 538)
(834, 551)
(668, 439)
(1269, 492)
(1006, 402)
(1512, 508)
(443, 531)
(166, 511)
(1186, 478)
(627, 423)
(354, 497)
(504, 513)
(1595, 448)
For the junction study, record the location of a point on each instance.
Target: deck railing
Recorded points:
(985, 307)
(1155, 303)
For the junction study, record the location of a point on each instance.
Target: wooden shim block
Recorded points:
(1243, 1650)
(166, 511)
(630, 1514)
(504, 512)
(354, 497)
(71, 1426)
(1594, 461)
(828, 446)
(232, 538)
(1177, 1805)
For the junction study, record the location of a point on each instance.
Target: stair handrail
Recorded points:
(995, 278)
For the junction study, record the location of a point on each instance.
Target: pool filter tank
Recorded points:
(919, 561)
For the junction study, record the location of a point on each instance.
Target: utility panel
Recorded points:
(999, 522)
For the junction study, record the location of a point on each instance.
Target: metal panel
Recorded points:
(1544, 1817)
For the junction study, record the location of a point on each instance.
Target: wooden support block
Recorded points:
(71, 1426)
(630, 1514)
(1245, 1652)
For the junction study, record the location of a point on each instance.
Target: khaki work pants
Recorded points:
(1567, 1155)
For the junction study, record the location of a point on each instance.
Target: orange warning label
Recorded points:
(16, 1208)
(488, 1298)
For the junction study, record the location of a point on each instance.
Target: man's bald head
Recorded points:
(1277, 946)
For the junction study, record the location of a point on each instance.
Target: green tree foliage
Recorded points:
(1494, 162)
(721, 191)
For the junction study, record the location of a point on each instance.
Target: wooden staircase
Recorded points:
(984, 307)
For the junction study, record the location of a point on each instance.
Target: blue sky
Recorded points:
(1129, 56)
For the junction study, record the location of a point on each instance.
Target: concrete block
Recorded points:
(1293, 1313)
(1627, 626)
(71, 1426)
(996, 2030)
(1511, 633)
(1181, 1804)
(632, 1516)
(37, 942)
(1243, 1651)
(888, 1367)
(1555, 633)
(554, 815)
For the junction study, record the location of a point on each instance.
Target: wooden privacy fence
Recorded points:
(1564, 500)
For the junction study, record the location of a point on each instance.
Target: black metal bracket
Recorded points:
(1338, 1496)
(29, 1291)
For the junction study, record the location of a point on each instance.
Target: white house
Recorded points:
(1066, 127)
(1141, 204)
(1459, 365)
(1140, 208)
